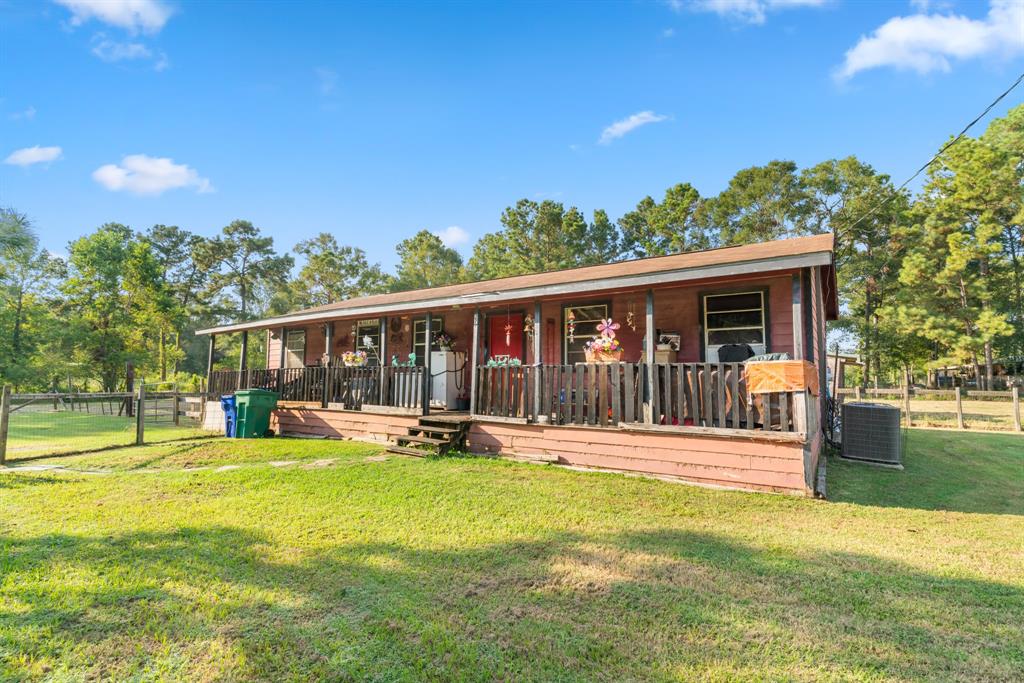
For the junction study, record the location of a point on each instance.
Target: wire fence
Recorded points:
(947, 408)
(41, 425)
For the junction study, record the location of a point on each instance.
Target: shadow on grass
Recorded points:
(646, 605)
(943, 470)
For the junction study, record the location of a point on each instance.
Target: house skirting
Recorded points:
(783, 463)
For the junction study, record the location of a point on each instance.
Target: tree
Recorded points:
(245, 269)
(761, 203)
(865, 213)
(183, 261)
(112, 296)
(334, 273)
(545, 236)
(27, 274)
(949, 273)
(425, 261)
(671, 227)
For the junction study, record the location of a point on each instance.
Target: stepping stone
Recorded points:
(282, 463)
(320, 463)
(225, 468)
(377, 458)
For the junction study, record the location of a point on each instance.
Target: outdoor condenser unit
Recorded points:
(871, 431)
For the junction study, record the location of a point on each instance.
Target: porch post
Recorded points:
(474, 352)
(243, 360)
(382, 354)
(284, 339)
(537, 363)
(428, 334)
(818, 318)
(328, 342)
(798, 318)
(209, 361)
(649, 416)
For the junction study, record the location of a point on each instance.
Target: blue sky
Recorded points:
(373, 121)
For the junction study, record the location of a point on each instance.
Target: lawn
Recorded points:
(33, 433)
(978, 414)
(347, 566)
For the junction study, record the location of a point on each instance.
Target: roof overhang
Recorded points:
(661, 278)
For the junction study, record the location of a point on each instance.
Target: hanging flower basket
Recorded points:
(354, 359)
(606, 348)
(603, 356)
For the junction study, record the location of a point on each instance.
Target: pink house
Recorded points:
(507, 369)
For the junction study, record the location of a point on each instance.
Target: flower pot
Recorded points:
(603, 356)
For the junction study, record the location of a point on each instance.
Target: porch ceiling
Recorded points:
(762, 258)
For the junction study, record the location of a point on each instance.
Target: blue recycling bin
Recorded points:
(230, 414)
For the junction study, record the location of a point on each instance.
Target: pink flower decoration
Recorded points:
(607, 328)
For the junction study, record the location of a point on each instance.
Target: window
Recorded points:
(585, 319)
(295, 349)
(368, 328)
(733, 319)
(419, 333)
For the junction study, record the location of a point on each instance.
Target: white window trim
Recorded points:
(708, 347)
(565, 323)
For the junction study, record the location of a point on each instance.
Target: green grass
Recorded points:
(475, 569)
(37, 433)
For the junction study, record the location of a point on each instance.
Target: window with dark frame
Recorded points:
(368, 328)
(734, 318)
(295, 349)
(419, 333)
(586, 319)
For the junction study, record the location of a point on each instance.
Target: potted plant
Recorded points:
(605, 348)
(354, 359)
(443, 340)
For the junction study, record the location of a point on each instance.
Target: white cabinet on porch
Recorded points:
(446, 382)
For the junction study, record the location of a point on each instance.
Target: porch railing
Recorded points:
(352, 388)
(609, 394)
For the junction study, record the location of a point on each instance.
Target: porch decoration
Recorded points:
(503, 361)
(443, 340)
(570, 325)
(528, 325)
(354, 359)
(606, 348)
(630, 318)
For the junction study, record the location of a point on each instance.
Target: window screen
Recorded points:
(734, 319)
(586, 321)
(295, 349)
(419, 333)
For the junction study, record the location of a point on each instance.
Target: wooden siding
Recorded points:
(340, 424)
(761, 464)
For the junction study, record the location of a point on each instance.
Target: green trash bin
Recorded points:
(253, 408)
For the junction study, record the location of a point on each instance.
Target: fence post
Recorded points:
(5, 420)
(959, 408)
(858, 393)
(906, 403)
(177, 421)
(140, 416)
(1016, 411)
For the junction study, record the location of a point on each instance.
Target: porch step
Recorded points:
(405, 450)
(416, 438)
(430, 437)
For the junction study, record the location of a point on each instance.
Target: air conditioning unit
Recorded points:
(871, 431)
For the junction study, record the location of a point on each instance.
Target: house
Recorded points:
(510, 374)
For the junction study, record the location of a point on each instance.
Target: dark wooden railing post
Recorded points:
(382, 356)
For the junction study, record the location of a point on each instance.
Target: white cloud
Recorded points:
(146, 175)
(327, 80)
(927, 42)
(26, 114)
(630, 123)
(113, 51)
(148, 16)
(33, 155)
(748, 11)
(668, 33)
(453, 236)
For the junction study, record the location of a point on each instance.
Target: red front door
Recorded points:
(501, 344)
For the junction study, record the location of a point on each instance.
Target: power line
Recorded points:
(941, 151)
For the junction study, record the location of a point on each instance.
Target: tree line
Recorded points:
(926, 279)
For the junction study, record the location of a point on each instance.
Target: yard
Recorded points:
(326, 560)
(978, 414)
